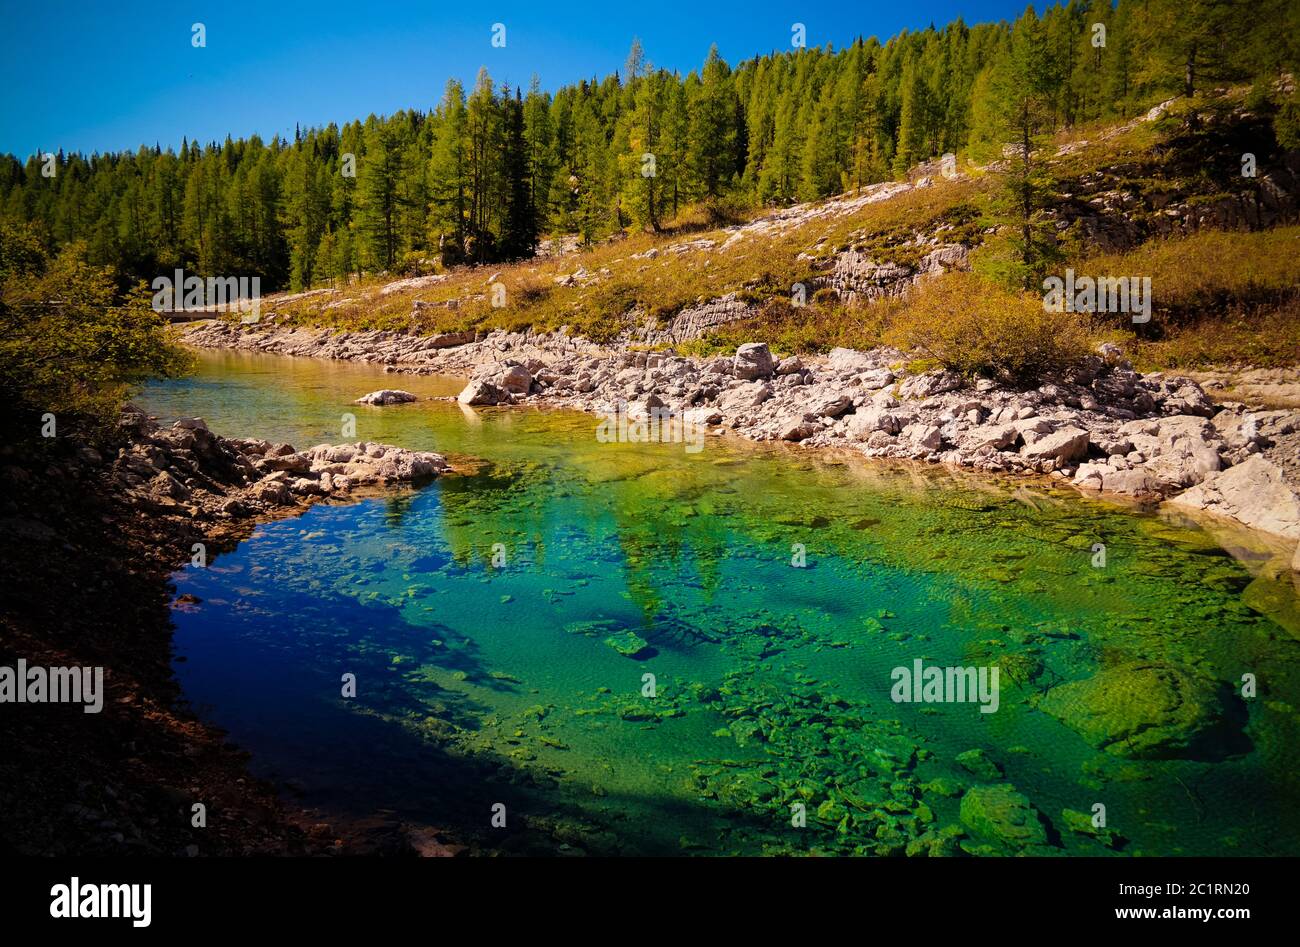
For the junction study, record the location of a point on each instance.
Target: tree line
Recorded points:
(492, 171)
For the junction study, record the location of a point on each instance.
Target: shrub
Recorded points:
(71, 345)
(970, 326)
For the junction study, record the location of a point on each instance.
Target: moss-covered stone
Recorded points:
(977, 763)
(943, 786)
(1142, 710)
(1000, 815)
(627, 643)
(1081, 824)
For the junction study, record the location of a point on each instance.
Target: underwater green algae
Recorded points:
(501, 627)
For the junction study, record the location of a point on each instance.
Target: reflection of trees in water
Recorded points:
(520, 505)
(993, 561)
(500, 504)
(656, 553)
(396, 507)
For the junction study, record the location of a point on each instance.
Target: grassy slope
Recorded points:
(1219, 297)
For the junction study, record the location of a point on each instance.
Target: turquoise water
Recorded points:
(485, 619)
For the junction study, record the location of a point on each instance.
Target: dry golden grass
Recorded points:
(1192, 276)
(1264, 336)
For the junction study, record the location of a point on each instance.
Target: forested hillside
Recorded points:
(493, 171)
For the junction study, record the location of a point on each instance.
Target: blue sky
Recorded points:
(106, 75)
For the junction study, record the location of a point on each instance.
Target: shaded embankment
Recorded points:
(88, 540)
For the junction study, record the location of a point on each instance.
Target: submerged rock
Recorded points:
(1081, 823)
(1275, 592)
(593, 628)
(1142, 710)
(627, 643)
(1004, 817)
(978, 764)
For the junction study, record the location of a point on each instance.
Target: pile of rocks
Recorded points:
(188, 470)
(1105, 427)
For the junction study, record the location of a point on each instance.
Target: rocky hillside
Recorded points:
(809, 270)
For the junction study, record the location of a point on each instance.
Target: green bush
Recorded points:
(73, 346)
(971, 326)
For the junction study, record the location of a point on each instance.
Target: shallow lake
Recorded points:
(637, 649)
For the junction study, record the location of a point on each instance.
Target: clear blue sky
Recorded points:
(106, 75)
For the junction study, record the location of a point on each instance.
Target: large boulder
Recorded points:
(848, 361)
(829, 405)
(1130, 481)
(516, 379)
(1253, 492)
(1144, 710)
(737, 401)
(864, 422)
(876, 379)
(1065, 445)
(929, 384)
(927, 436)
(481, 392)
(797, 427)
(996, 436)
(1032, 429)
(702, 416)
(753, 360)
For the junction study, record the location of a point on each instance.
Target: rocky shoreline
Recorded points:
(131, 510)
(191, 472)
(1106, 429)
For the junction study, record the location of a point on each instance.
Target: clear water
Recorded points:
(482, 682)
